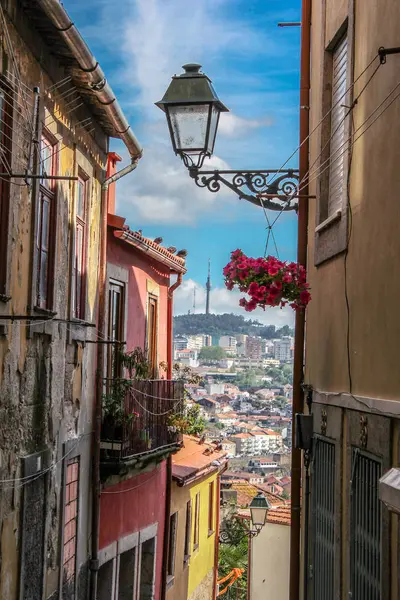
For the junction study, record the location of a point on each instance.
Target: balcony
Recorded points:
(135, 426)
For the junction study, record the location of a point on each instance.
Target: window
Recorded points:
(5, 167)
(210, 508)
(70, 527)
(331, 226)
(173, 526)
(338, 128)
(365, 528)
(196, 521)
(115, 327)
(127, 575)
(79, 269)
(188, 530)
(323, 520)
(152, 333)
(147, 568)
(45, 223)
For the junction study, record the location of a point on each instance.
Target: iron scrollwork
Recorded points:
(234, 530)
(278, 187)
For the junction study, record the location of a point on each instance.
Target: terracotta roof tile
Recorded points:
(194, 458)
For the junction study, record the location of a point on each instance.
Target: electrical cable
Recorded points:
(275, 175)
(318, 174)
(134, 487)
(29, 478)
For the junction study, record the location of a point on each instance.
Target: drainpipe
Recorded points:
(99, 375)
(171, 290)
(298, 401)
(168, 492)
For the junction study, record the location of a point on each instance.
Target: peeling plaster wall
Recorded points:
(47, 370)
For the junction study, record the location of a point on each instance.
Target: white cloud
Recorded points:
(161, 190)
(231, 125)
(225, 301)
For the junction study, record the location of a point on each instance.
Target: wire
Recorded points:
(136, 486)
(29, 478)
(346, 295)
(318, 172)
(324, 117)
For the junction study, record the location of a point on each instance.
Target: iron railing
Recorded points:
(365, 533)
(323, 520)
(143, 424)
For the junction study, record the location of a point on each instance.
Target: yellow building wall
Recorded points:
(202, 559)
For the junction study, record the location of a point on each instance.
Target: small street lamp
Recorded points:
(234, 530)
(192, 108)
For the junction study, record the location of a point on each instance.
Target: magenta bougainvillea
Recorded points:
(268, 281)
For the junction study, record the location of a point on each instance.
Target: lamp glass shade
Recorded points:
(189, 125)
(258, 509)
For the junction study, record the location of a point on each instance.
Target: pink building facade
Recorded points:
(135, 458)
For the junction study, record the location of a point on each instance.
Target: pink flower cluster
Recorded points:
(268, 281)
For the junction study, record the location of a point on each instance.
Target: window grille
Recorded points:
(70, 528)
(365, 532)
(323, 515)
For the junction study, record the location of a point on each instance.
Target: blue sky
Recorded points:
(254, 66)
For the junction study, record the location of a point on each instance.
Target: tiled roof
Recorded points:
(195, 459)
(246, 492)
(123, 232)
(279, 516)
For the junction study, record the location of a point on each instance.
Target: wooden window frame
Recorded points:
(81, 223)
(171, 558)
(152, 333)
(114, 369)
(211, 511)
(6, 134)
(47, 193)
(331, 229)
(196, 529)
(188, 532)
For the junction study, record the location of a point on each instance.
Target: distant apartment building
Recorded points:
(267, 347)
(241, 344)
(197, 342)
(187, 357)
(228, 343)
(215, 388)
(229, 447)
(209, 405)
(180, 343)
(226, 419)
(256, 443)
(283, 349)
(253, 347)
(207, 340)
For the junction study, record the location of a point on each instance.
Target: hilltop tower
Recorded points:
(208, 288)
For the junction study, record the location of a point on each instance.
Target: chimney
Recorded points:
(112, 159)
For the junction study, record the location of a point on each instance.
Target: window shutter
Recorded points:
(337, 154)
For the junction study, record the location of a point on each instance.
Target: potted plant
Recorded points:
(268, 281)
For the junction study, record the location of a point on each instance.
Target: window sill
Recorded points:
(46, 312)
(4, 298)
(186, 561)
(195, 547)
(210, 532)
(329, 221)
(170, 581)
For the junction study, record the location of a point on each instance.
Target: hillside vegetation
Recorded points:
(226, 324)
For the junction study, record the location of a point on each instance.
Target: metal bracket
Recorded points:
(384, 52)
(258, 187)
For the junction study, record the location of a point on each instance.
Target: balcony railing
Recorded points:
(138, 421)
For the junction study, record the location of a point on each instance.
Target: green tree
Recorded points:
(212, 353)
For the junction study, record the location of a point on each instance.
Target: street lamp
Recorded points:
(234, 530)
(258, 510)
(192, 108)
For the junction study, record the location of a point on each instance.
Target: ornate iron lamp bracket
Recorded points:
(254, 186)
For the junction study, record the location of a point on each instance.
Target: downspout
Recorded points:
(168, 492)
(171, 290)
(99, 376)
(298, 400)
